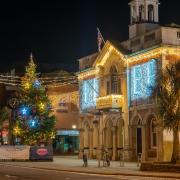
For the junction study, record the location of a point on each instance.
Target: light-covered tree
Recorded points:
(35, 122)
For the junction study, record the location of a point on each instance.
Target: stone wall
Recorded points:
(160, 167)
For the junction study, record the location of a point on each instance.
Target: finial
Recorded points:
(31, 56)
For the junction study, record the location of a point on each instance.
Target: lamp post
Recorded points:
(13, 103)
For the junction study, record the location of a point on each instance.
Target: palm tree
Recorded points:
(167, 93)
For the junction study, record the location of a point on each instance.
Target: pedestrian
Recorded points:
(104, 158)
(107, 159)
(85, 159)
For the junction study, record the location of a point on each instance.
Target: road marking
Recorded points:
(57, 171)
(10, 176)
(137, 177)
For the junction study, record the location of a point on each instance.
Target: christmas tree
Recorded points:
(35, 122)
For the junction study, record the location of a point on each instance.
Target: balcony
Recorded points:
(110, 101)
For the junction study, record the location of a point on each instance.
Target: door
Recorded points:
(139, 140)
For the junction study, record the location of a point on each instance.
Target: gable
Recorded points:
(106, 54)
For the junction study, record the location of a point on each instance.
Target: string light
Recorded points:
(17, 130)
(41, 106)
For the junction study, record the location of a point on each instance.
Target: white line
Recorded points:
(53, 170)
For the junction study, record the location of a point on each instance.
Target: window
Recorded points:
(151, 13)
(137, 80)
(153, 133)
(151, 73)
(141, 13)
(115, 81)
(108, 88)
(178, 35)
(114, 86)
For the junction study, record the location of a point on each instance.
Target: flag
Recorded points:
(100, 39)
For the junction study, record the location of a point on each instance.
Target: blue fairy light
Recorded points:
(25, 110)
(33, 123)
(37, 83)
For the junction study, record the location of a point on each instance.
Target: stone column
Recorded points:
(160, 152)
(91, 143)
(144, 149)
(100, 130)
(114, 131)
(81, 143)
(137, 11)
(95, 141)
(125, 111)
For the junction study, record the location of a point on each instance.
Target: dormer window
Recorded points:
(178, 35)
(114, 85)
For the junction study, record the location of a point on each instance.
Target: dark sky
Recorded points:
(60, 32)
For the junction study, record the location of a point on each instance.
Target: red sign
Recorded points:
(42, 152)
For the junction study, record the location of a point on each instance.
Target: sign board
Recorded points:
(14, 152)
(68, 132)
(41, 153)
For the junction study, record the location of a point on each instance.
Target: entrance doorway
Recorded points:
(139, 140)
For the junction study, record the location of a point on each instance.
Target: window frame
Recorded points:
(178, 35)
(153, 131)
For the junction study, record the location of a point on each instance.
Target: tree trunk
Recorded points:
(175, 154)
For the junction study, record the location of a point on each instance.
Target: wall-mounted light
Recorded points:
(74, 126)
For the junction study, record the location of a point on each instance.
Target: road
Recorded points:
(24, 173)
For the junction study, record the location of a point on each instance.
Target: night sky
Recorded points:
(60, 32)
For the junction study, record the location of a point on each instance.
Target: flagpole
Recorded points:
(101, 35)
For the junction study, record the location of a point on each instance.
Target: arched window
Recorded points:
(115, 82)
(153, 132)
(151, 13)
(141, 13)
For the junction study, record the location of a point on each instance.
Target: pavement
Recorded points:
(73, 164)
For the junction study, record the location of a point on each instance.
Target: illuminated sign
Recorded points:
(111, 101)
(68, 132)
(42, 152)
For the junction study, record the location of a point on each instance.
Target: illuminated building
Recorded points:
(65, 107)
(117, 112)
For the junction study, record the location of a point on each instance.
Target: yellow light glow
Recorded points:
(16, 130)
(110, 101)
(27, 85)
(41, 106)
(129, 60)
(86, 74)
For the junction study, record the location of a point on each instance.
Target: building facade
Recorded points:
(117, 112)
(65, 107)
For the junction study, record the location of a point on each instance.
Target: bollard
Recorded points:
(99, 158)
(139, 159)
(121, 158)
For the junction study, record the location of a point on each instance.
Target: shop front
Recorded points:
(66, 142)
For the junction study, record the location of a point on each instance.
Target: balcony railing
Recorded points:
(110, 101)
